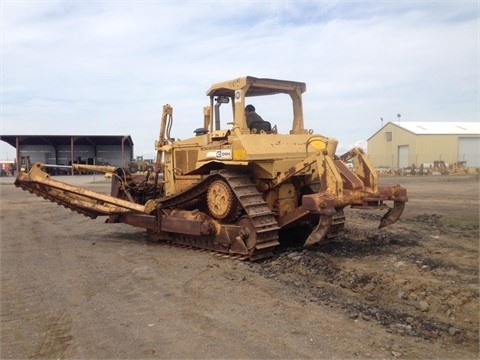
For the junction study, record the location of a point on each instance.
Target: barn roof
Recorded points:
(442, 128)
(437, 128)
(56, 140)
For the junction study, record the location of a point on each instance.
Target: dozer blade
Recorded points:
(320, 231)
(392, 215)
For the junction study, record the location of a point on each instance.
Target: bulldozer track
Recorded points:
(263, 219)
(257, 210)
(173, 244)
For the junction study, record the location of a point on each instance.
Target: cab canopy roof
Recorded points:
(256, 87)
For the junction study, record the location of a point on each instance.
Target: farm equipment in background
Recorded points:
(141, 165)
(25, 163)
(232, 189)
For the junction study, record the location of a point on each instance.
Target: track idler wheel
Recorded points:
(392, 215)
(320, 232)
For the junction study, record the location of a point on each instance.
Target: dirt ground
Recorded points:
(72, 287)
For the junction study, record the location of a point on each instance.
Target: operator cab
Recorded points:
(259, 126)
(237, 91)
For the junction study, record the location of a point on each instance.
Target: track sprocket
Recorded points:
(222, 202)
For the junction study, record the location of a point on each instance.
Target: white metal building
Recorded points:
(399, 145)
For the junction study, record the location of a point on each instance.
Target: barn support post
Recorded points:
(17, 150)
(123, 151)
(72, 141)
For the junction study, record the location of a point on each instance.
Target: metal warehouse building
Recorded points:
(401, 145)
(116, 150)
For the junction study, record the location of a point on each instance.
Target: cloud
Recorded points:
(108, 67)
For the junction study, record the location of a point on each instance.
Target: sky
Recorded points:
(108, 67)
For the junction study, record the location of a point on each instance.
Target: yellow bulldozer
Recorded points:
(232, 188)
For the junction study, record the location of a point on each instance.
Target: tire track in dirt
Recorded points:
(56, 337)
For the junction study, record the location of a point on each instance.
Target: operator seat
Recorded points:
(200, 131)
(258, 127)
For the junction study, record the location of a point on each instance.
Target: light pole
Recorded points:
(398, 116)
